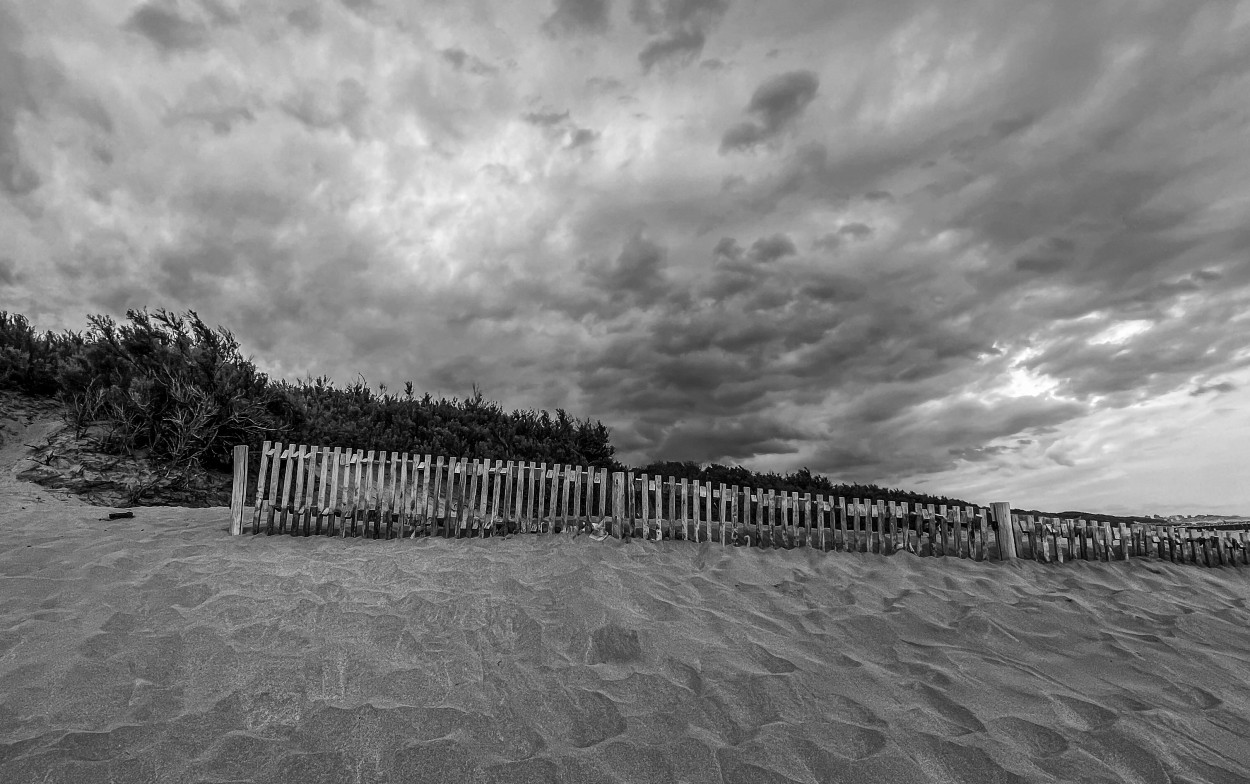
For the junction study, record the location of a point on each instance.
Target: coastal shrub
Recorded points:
(170, 386)
(357, 417)
(29, 360)
(801, 481)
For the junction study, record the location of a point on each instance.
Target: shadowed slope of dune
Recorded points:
(160, 648)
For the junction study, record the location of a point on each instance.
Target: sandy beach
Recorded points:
(161, 649)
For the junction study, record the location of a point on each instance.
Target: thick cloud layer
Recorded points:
(986, 249)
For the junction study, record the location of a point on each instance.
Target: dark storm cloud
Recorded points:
(638, 266)
(1207, 389)
(679, 28)
(834, 240)
(776, 104)
(306, 18)
(728, 442)
(163, 25)
(767, 249)
(1012, 125)
(545, 119)
(1043, 265)
(812, 174)
(865, 344)
(659, 15)
(783, 98)
(736, 270)
(8, 271)
(572, 17)
(215, 102)
(582, 137)
(728, 248)
(221, 13)
(680, 46)
(16, 176)
(832, 287)
(966, 149)
(461, 60)
(636, 277)
(933, 441)
(193, 272)
(725, 356)
(856, 231)
(319, 108)
(604, 84)
(1051, 256)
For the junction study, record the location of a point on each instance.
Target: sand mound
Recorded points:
(41, 449)
(161, 649)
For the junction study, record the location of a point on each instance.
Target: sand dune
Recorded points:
(162, 649)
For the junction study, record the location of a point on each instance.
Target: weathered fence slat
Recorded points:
(278, 506)
(265, 450)
(313, 490)
(345, 505)
(709, 495)
(856, 526)
(962, 533)
(468, 494)
(377, 494)
(696, 502)
(297, 498)
(351, 482)
(323, 487)
(928, 528)
(238, 490)
(899, 513)
(540, 497)
(395, 496)
(451, 498)
(338, 489)
(547, 479)
(575, 520)
(364, 489)
(375, 477)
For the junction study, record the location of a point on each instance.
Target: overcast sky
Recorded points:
(993, 249)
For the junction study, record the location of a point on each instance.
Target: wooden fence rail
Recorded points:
(304, 490)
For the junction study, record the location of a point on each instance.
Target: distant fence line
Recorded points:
(343, 492)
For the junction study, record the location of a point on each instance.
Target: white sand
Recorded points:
(162, 649)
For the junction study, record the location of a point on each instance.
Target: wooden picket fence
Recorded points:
(302, 490)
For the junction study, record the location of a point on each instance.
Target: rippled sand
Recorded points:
(161, 649)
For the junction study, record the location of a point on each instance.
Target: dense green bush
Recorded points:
(357, 417)
(30, 361)
(168, 385)
(801, 481)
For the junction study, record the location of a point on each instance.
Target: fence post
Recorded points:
(618, 504)
(237, 492)
(1006, 532)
